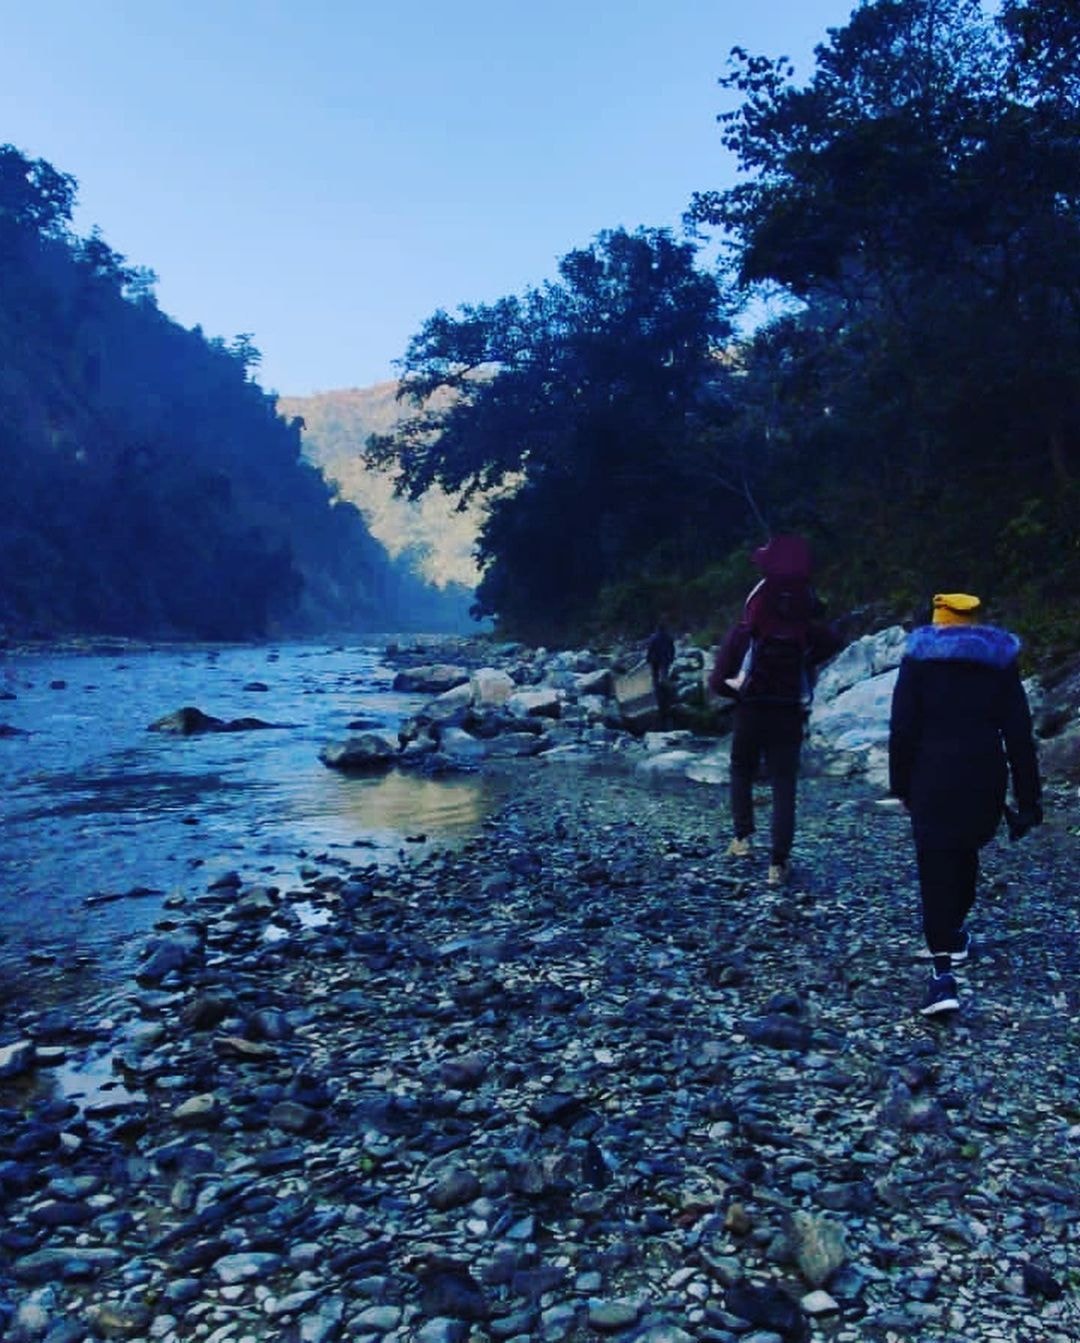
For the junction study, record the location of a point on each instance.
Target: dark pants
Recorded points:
(663, 691)
(772, 732)
(947, 880)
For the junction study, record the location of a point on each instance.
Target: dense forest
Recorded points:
(148, 485)
(886, 359)
(911, 402)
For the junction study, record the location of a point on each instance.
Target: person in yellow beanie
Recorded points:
(960, 728)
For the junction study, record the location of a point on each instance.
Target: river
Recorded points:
(105, 825)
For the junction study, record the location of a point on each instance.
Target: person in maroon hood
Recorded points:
(767, 663)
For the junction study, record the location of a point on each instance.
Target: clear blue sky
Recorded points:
(326, 173)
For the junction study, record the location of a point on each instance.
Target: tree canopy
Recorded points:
(919, 200)
(572, 407)
(914, 406)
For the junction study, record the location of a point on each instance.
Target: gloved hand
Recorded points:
(1020, 822)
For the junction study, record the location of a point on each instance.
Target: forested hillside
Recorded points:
(148, 485)
(430, 532)
(913, 212)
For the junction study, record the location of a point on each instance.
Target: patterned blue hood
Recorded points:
(963, 643)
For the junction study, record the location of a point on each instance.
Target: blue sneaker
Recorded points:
(940, 996)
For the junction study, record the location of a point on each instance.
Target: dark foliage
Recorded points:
(920, 199)
(147, 484)
(915, 409)
(577, 409)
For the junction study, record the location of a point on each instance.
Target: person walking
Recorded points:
(660, 655)
(767, 663)
(960, 726)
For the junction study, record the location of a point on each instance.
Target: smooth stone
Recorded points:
(49, 1264)
(818, 1246)
(17, 1058)
(198, 1110)
(609, 1316)
(818, 1302)
(236, 1268)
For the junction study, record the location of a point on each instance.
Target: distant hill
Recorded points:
(430, 533)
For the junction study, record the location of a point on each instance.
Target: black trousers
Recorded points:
(772, 732)
(947, 880)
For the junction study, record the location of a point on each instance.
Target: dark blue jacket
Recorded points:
(960, 724)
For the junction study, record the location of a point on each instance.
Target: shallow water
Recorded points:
(103, 820)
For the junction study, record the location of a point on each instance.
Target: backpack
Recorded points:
(775, 667)
(775, 670)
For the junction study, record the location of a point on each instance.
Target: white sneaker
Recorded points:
(957, 957)
(739, 848)
(778, 874)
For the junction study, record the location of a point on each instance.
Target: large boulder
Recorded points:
(366, 753)
(460, 747)
(1059, 758)
(491, 688)
(1055, 706)
(714, 767)
(593, 683)
(540, 703)
(850, 734)
(867, 657)
(451, 704)
(636, 698)
(430, 680)
(190, 721)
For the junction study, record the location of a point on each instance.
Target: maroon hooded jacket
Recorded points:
(782, 608)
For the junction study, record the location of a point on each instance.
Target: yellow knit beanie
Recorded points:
(956, 608)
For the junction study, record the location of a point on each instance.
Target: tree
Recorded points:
(33, 194)
(243, 349)
(919, 201)
(861, 180)
(574, 404)
(1045, 37)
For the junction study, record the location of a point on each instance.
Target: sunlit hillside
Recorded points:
(432, 531)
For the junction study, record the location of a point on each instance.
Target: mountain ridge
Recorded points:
(432, 533)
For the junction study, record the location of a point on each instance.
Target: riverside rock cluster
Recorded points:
(490, 702)
(580, 1078)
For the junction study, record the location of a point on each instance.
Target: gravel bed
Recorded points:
(581, 1078)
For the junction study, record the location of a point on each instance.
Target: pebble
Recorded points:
(561, 1081)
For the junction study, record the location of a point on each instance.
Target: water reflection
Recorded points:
(398, 802)
(96, 809)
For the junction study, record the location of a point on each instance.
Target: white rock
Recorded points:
(865, 658)
(458, 745)
(450, 701)
(540, 703)
(818, 1303)
(666, 762)
(16, 1058)
(204, 1109)
(666, 741)
(491, 687)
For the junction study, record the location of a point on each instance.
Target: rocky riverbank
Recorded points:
(580, 1078)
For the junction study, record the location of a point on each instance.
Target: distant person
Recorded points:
(767, 663)
(660, 655)
(960, 726)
